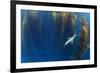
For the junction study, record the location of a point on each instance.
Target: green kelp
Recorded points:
(83, 37)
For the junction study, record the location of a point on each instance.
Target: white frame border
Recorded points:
(20, 65)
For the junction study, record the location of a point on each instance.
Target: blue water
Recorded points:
(42, 39)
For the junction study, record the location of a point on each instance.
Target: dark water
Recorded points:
(43, 36)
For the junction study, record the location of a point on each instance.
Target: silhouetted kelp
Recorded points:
(83, 37)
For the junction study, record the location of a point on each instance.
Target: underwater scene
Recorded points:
(48, 36)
